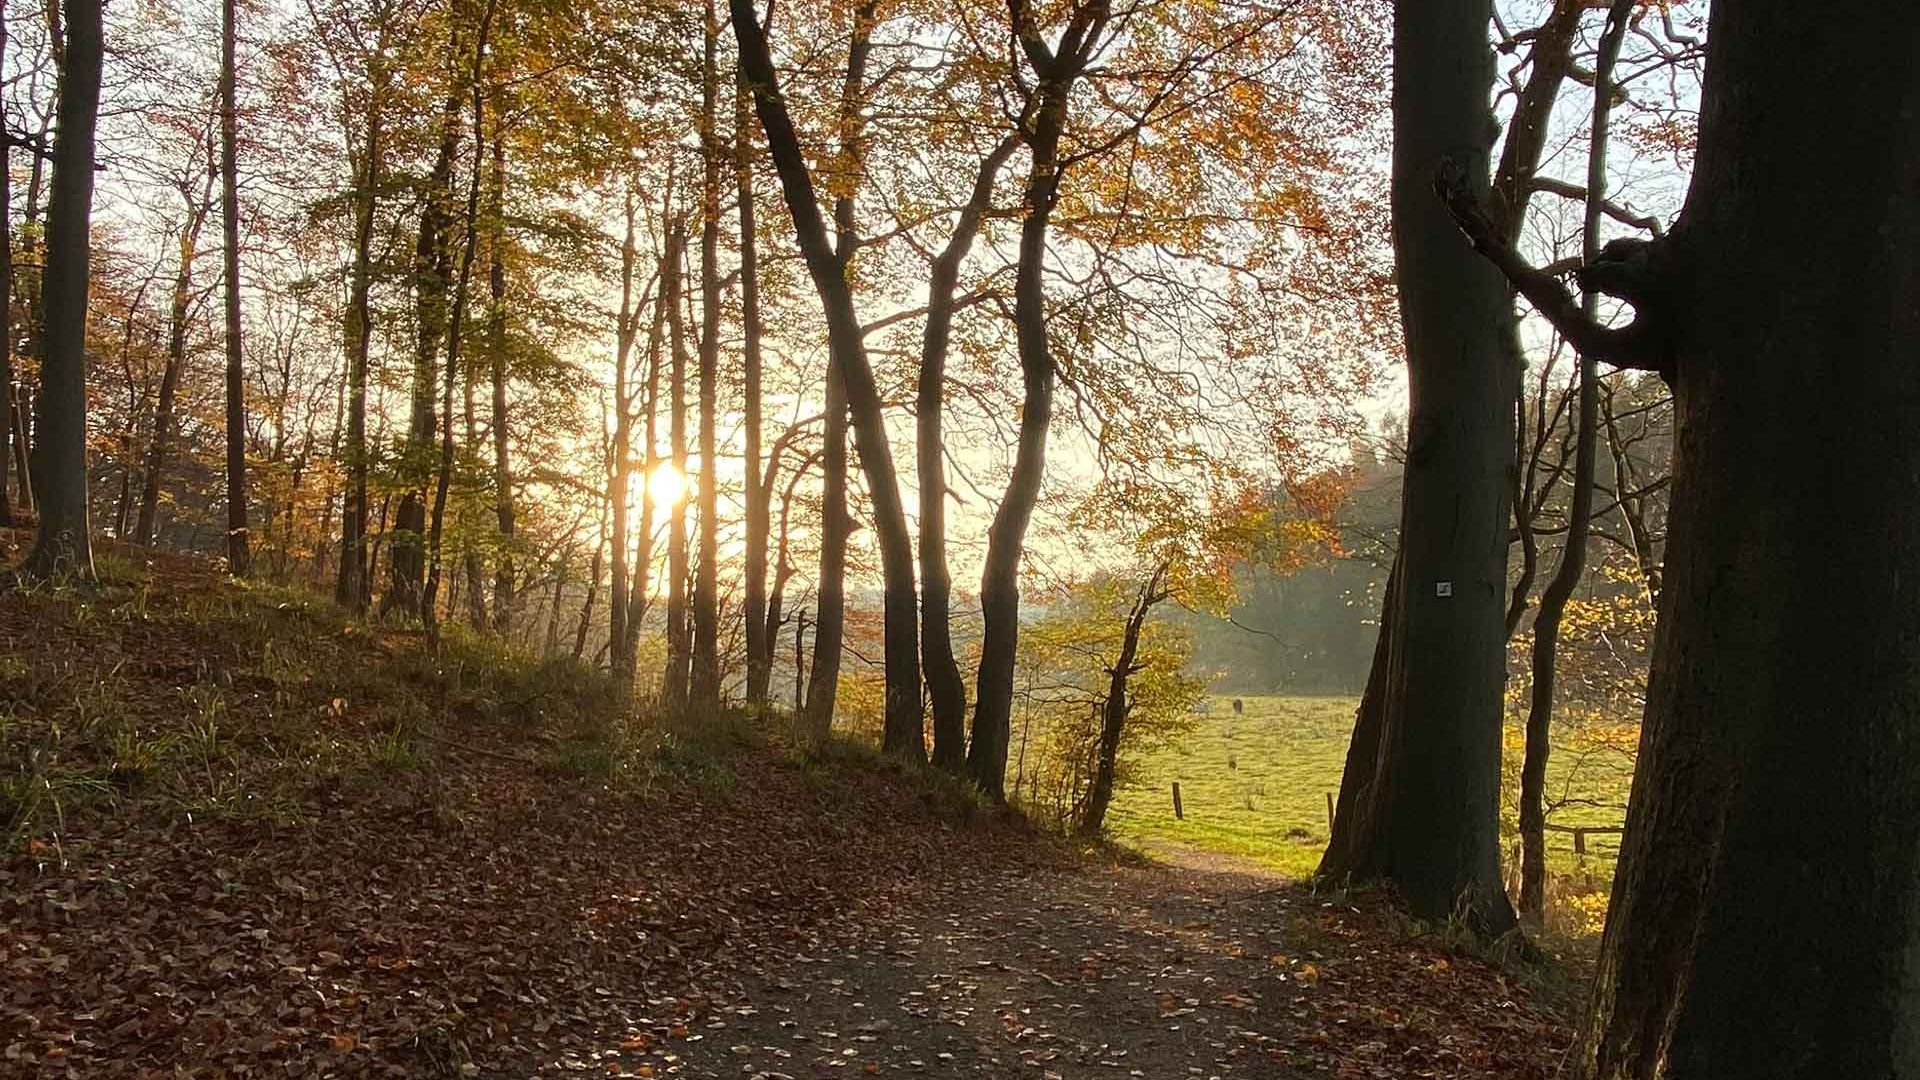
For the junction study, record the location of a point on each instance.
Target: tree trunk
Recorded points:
(503, 574)
(639, 596)
(1573, 557)
(946, 690)
(827, 265)
(1055, 72)
(1765, 920)
(1363, 750)
(760, 635)
(829, 627)
(1006, 539)
(351, 589)
(620, 480)
(160, 449)
(593, 593)
(559, 594)
(1633, 508)
(239, 558)
(705, 681)
(1549, 61)
(63, 544)
(7, 429)
(782, 573)
(679, 648)
(432, 282)
(1116, 707)
(455, 324)
(1428, 821)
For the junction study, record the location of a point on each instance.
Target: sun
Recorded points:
(666, 484)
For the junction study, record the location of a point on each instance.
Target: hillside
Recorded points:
(249, 837)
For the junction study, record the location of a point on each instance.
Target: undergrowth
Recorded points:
(199, 694)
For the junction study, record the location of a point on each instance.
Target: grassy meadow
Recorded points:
(1255, 786)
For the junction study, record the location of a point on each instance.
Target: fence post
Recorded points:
(1178, 813)
(1329, 813)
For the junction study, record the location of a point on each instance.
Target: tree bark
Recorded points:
(676, 683)
(239, 557)
(8, 431)
(1428, 820)
(946, 690)
(704, 684)
(503, 574)
(1765, 919)
(1056, 72)
(351, 589)
(827, 263)
(432, 282)
(455, 324)
(1363, 750)
(620, 479)
(759, 634)
(63, 544)
(829, 627)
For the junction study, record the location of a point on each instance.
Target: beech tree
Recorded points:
(1426, 756)
(827, 262)
(63, 544)
(1773, 687)
(239, 556)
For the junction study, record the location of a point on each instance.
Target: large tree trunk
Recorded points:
(946, 690)
(675, 684)
(704, 684)
(1363, 750)
(1573, 556)
(239, 558)
(1428, 821)
(759, 634)
(63, 544)
(827, 263)
(1766, 912)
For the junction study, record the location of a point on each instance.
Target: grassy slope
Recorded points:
(1256, 786)
(241, 832)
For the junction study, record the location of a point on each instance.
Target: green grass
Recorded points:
(1255, 787)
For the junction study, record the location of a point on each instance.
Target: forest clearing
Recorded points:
(1002, 538)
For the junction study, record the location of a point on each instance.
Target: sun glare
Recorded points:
(666, 484)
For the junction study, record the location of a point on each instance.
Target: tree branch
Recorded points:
(1625, 347)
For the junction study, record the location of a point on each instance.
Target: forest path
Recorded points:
(1096, 970)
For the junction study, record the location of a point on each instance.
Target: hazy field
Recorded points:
(1256, 786)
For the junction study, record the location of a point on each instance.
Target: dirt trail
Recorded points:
(1095, 971)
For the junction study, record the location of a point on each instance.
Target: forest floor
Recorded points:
(248, 838)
